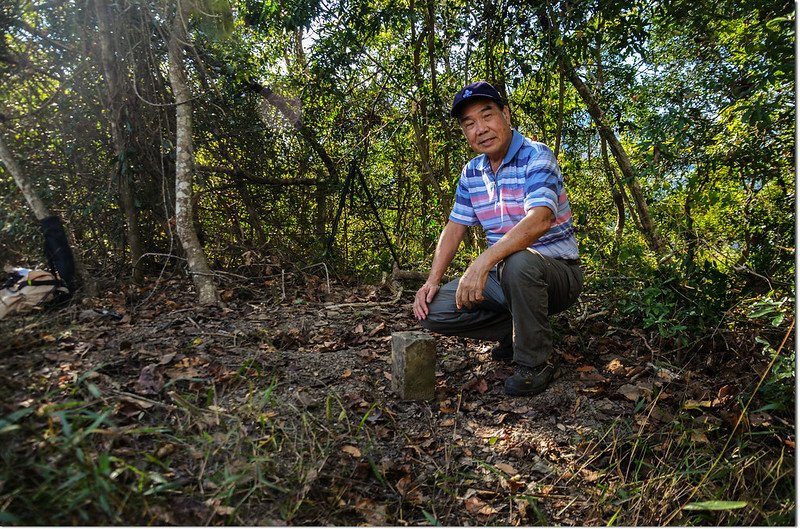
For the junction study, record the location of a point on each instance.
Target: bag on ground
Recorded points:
(25, 290)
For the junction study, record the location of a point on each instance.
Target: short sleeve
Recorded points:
(543, 181)
(463, 212)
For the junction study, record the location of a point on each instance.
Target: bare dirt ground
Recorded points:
(279, 411)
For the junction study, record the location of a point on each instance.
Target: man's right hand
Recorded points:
(424, 296)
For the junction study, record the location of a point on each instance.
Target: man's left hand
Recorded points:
(471, 285)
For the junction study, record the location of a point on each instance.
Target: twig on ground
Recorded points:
(368, 303)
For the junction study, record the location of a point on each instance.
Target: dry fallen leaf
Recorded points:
(477, 506)
(593, 377)
(403, 485)
(222, 510)
(760, 419)
(150, 380)
(630, 392)
(352, 450)
(695, 404)
(726, 391)
(569, 357)
(616, 367)
(592, 391)
(505, 467)
(478, 384)
(190, 361)
(374, 513)
(183, 372)
(165, 450)
(590, 476)
(167, 358)
(268, 415)
(409, 492)
(699, 437)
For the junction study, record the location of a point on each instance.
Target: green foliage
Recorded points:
(699, 93)
(73, 483)
(214, 18)
(682, 471)
(778, 389)
(286, 14)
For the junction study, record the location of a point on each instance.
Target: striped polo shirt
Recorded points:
(528, 177)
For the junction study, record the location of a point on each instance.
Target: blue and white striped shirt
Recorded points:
(529, 176)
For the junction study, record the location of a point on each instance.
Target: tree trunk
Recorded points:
(646, 226)
(24, 185)
(648, 229)
(116, 110)
(41, 213)
(437, 99)
(560, 118)
(254, 217)
(420, 116)
(184, 166)
(616, 194)
(280, 103)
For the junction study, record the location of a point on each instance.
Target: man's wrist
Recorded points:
(482, 264)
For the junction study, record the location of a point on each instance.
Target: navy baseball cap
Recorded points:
(475, 90)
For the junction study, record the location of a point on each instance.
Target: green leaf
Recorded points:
(431, 518)
(8, 518)
(763, 311)
(7, 422)
(93, 389)
(775, 23)
(715, 505)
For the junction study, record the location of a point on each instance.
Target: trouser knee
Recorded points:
(523, 266)
(531, 274)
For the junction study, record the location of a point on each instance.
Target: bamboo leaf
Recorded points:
(715, 505)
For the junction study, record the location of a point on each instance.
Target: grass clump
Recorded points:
(195, 457)
(691, 470)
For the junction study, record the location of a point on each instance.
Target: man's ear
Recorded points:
(507, 114)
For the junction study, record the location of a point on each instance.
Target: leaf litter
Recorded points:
(315, 370)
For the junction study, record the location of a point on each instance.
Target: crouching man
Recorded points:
(530, 270)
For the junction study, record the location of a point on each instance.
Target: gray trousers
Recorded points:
(520, 293)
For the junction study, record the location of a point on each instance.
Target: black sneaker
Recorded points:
(528, 381)
(503, 353)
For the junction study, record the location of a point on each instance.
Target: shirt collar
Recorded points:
(516, 142)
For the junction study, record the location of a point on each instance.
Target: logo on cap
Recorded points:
(477, 89)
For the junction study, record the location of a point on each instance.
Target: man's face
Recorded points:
(487, 127)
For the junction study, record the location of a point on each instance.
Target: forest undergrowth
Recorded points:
(138, 407)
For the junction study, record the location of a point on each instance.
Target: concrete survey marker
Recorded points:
(413, 365)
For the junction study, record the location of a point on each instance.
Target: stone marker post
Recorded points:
(413, 365)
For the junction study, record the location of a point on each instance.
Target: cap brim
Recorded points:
(455, 112)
